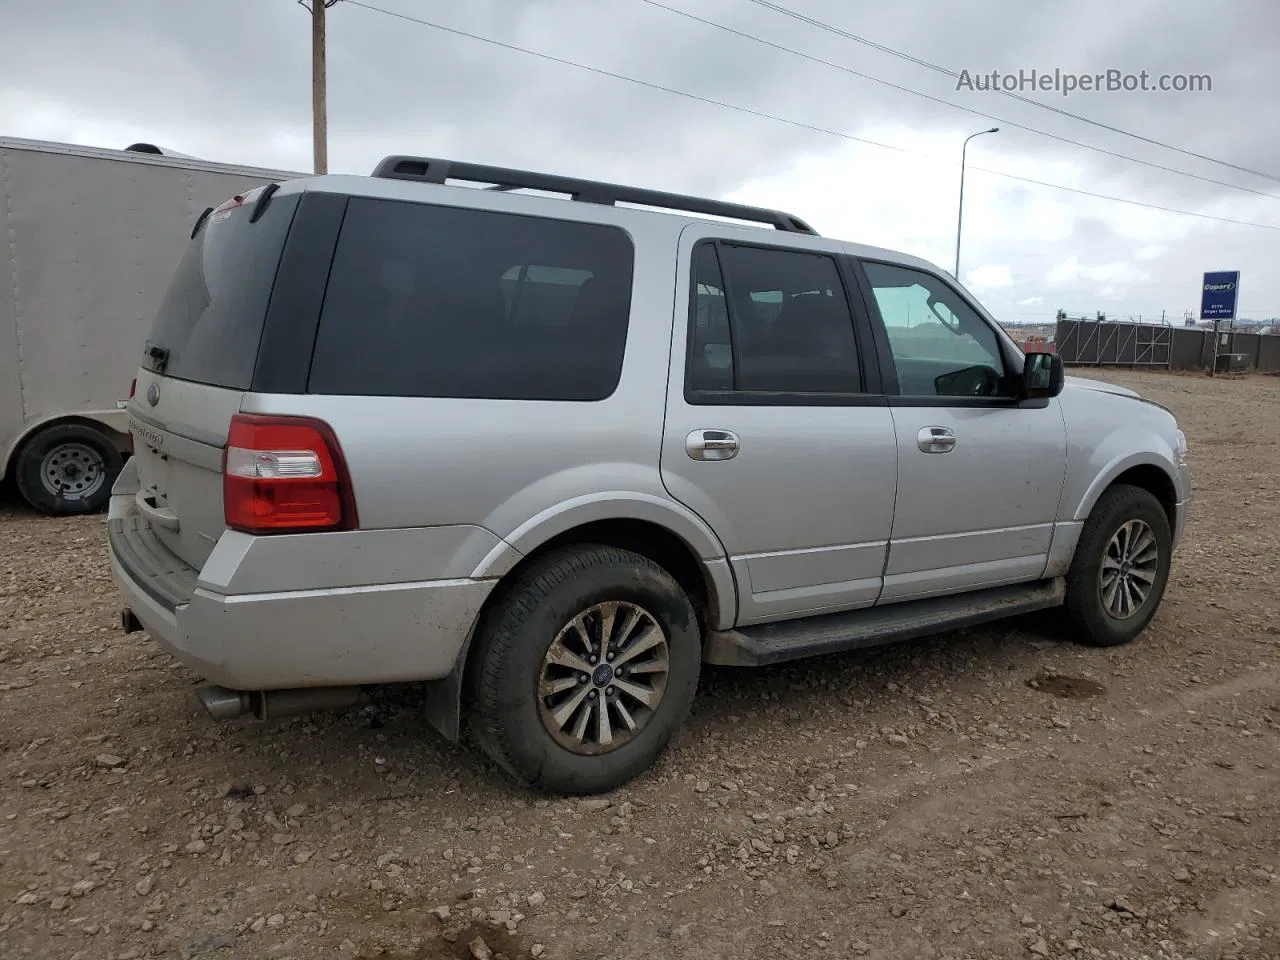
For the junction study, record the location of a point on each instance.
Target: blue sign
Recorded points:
(1218, 295)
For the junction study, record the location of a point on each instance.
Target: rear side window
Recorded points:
(211, 318)
(430, 301)
(768, 321)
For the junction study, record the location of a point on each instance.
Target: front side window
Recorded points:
(941, 347)
(770, 321)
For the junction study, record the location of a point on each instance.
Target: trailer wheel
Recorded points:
(68, 468)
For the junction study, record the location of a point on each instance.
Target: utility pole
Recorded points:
(319, 96)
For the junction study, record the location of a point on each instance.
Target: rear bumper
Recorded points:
(337, 636)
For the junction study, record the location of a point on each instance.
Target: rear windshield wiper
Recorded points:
(158, 355)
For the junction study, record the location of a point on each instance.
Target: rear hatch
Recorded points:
(197, 364)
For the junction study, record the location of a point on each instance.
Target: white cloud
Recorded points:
(1114, 271)
(1031, 302)
(989, 276)
(1063, 273)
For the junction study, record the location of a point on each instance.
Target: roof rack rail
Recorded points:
(431, 170)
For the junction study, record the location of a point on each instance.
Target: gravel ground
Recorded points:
(990, 793)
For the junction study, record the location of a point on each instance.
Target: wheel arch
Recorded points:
(709, 585)
(1146, 473)
(107, 424)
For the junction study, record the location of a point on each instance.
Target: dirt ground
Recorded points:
(991, 793)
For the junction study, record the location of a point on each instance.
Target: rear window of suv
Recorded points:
(212, 315)
(432, 301)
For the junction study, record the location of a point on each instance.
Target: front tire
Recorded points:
(1120, 568)
(584, 670)
(66, 469)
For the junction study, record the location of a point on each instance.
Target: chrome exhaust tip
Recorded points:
(223, 704)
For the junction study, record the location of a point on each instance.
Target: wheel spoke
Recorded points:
(643, 694)
(604, 729)
(1109, 596)
(1146, 576)
(549, 688)
(562, 656)
(634, 615)
(1132, 597)
(565, 710)
(1148, 557)
(580, 728)
(1140, 545)
(579, 627)
(646, 641)
(608, 611)
(625, 714)
(647, 666)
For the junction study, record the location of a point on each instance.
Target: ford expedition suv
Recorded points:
(551, 444)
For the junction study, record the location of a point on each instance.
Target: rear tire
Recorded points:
(551, 716)
(1120, 568)
(67, 469)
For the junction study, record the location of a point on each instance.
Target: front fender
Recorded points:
(1155, 453)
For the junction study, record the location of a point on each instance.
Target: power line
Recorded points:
(947, 103)
(618, 76)
(777, 119)
(947, 71)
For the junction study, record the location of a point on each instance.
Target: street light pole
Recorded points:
(960, 213)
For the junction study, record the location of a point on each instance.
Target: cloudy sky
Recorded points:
(230, 81)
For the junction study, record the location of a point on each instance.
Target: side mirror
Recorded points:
(1043, 375)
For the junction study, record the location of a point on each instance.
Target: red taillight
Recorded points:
(133, 388)
(284, 474)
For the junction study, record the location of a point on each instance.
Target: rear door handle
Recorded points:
(711, 445)
(935, 440)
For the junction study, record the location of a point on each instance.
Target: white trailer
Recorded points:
(89, 239)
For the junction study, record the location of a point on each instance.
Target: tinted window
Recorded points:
(940, 345)
(212, 315)
(710, 346)
(445, 302)
(774, 321)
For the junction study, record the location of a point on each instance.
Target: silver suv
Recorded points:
(550, 455)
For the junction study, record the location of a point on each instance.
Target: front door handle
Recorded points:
(935, 440)
(711, 445)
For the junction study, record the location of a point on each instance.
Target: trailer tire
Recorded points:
(67, 468)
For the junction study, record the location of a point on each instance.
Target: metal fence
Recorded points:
(1090, 343)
